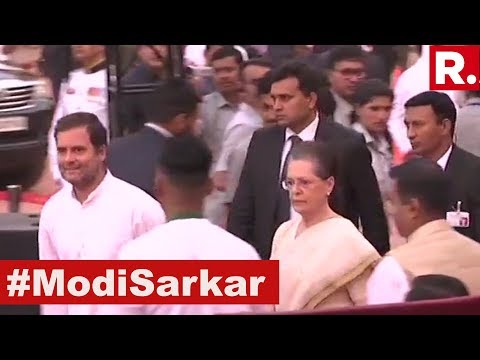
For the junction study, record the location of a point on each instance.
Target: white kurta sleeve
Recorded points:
(388, 283)
(47, 251)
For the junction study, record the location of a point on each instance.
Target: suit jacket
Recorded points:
(133, 158)
(253, 214)
(464, 169)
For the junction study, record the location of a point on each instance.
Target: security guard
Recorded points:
(85, 90)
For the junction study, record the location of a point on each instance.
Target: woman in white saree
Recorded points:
(324, 260)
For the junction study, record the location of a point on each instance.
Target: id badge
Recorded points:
(459, 219)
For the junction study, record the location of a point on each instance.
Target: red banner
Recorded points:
(139, 282)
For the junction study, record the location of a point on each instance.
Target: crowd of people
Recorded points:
(362, 185)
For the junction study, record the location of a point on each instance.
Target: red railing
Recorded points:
(458, 306)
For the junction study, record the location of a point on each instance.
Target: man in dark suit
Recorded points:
(172, 111)
(430, 119)
(260, 204)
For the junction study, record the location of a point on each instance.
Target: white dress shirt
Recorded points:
(113, 214)
(186, 239)
(343, 111)
(243, 125)
(160, 129)
(307, 134)
(388, 284)
(444, 159)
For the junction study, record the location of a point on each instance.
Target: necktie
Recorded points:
(294, 139)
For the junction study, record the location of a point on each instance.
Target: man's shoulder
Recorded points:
(131, 193)
(343, 134)
(141, 247)
(466, 160)
(58, 197)
(269, 132)
(139, 138)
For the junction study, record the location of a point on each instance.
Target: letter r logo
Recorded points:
(455, 67)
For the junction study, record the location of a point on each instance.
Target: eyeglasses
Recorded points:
(303, 184)
(349, 73)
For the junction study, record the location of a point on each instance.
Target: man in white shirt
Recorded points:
(237, 131)
(182, 182)
(430, 119)
(85, 90)
(239, 152)
(96, 213)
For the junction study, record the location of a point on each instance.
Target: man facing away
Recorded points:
(95, 213)
(172, 111)
(420, 198)
(260, 204)
(182, 183)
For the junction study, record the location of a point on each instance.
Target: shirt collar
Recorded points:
(98, 190)
(342, 104)
(473, 100)
(222, 102)
(307, 134)
(444, 159)
(159, 129)
(381, 142)
(425, 231)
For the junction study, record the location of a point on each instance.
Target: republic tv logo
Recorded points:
(455, 67)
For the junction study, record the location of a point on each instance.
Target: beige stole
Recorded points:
(321, 260)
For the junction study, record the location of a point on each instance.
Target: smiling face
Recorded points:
(79, 160)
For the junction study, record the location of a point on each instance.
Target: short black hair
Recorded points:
(321, 153)
(442, 105)
(436, 286)
(265, 84)
(262, 62)
(371, 88)
(309, 80)
(170, 98)
(95, 129)
(425, 180)
(227, 51)
(345, 53)
(186, 161)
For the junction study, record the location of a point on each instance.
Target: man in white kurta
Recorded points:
(183, 182)
(96, 213)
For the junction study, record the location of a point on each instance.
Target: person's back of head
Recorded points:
(420, 194)
(183, 172)
(174, 106)
(436, 286)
